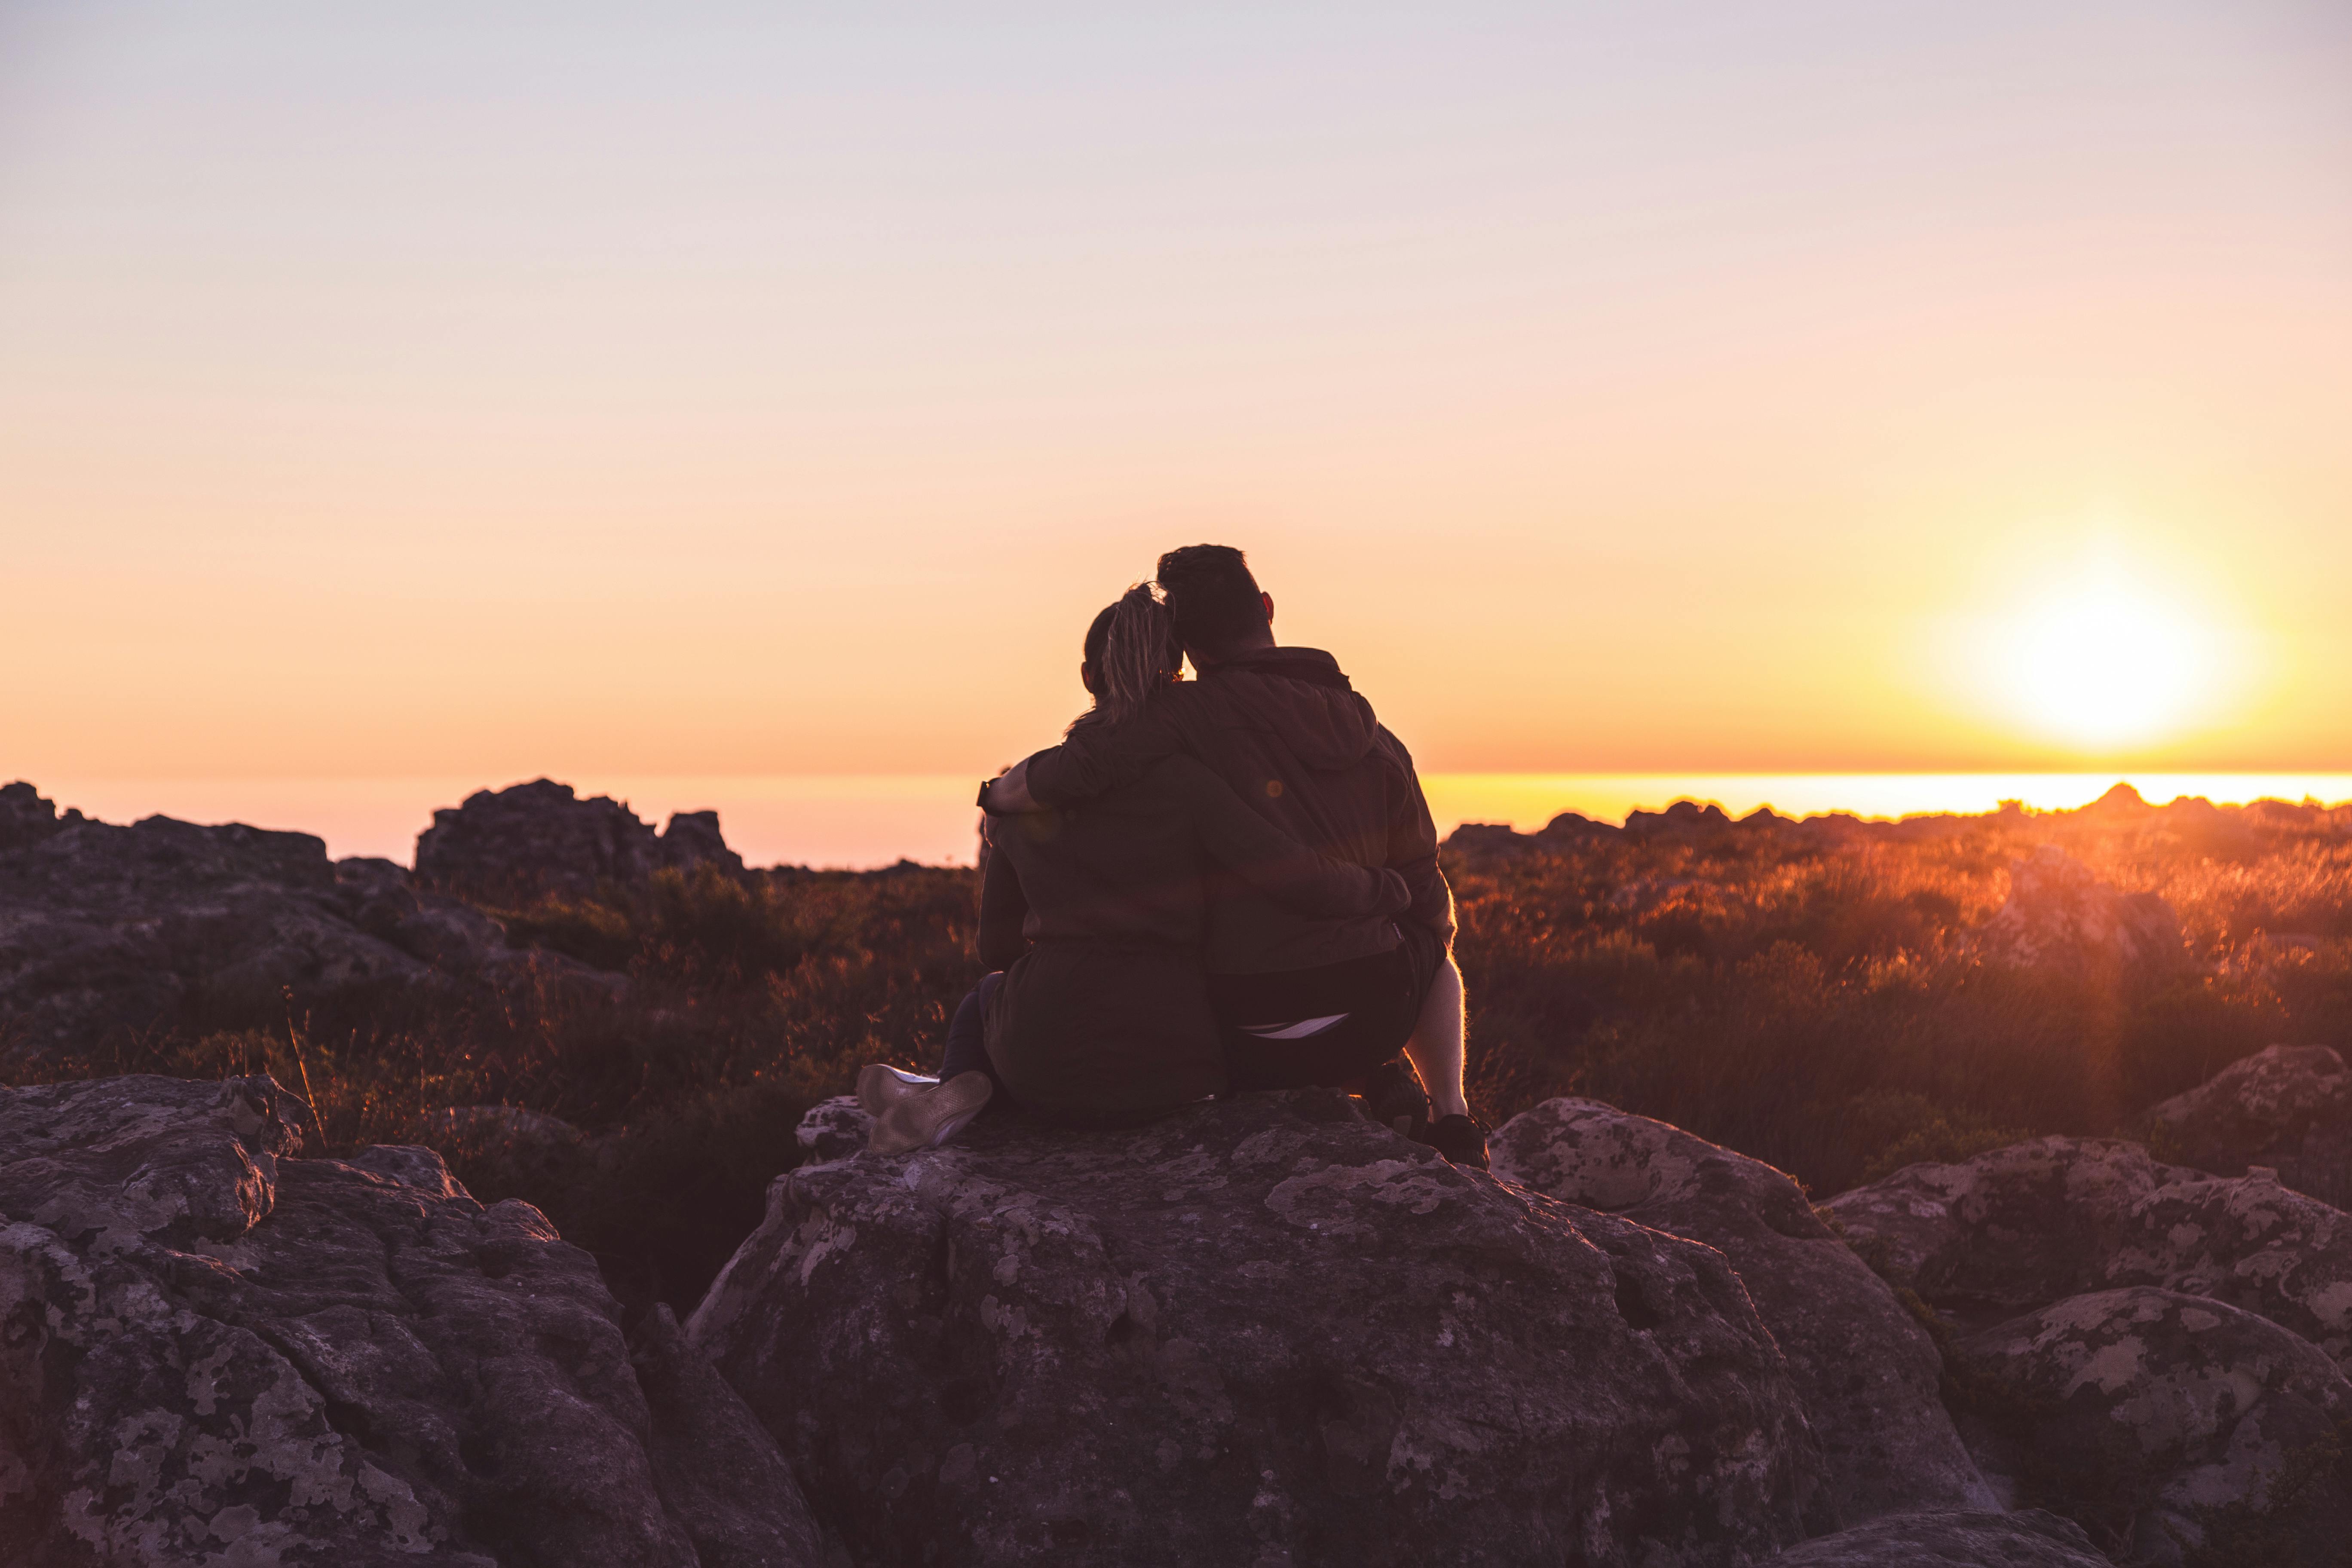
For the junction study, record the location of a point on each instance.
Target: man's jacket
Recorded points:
(1286, 730)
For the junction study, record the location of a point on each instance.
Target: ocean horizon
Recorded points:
(861, 821)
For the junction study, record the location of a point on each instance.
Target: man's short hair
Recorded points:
(1217, 605)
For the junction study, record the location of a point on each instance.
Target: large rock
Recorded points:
(1261, 1332)
(2018, 1228)
(539, 841)
(1865, 1368)
(215, 1353)
(2030, 1538)
(111, 934)
(2060, 916)
(2289, 1107)
(2168, 1423)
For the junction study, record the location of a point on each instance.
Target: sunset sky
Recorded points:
(489, 391)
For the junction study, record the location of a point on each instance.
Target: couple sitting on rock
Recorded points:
(1222, 884)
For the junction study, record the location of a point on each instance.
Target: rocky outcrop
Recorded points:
(2060, 916)
(213, 1352)
(539, 841)
(2029, 1538)
(2289, 1107)
(2022, 1228)
(1864, 1368)
(1263, 1331)
(109, 933)
(2174, 1422)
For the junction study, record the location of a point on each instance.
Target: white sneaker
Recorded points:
(926, 1117)
(880, 1087)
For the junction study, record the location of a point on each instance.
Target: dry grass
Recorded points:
(747, 1004)
(1818, 1009)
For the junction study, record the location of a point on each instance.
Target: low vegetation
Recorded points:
(1823, 1008)
(1817, 1005)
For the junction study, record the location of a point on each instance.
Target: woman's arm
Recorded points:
(1092, 760)
(1003, 910)
(1271, 860)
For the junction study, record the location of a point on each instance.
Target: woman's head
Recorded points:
(1131, 652)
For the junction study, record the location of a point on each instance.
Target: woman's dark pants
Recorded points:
(967, 1049)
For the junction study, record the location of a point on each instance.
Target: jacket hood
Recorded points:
(1300, 692)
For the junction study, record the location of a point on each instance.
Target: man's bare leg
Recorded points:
(1436, 1048)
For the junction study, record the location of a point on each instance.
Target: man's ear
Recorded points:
(1267, 600)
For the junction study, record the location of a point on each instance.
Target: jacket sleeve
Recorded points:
(1003, 910)
(1272, 861)
(1413, 842)
(1096, 759)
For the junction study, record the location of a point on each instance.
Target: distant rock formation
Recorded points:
(108, 932)
(2060, 916)
(2288, 1107)
(539, 841)
(1685, 816)
(1261, 1330)
(219, 1352)
(2189, 825)
(1865, 1369)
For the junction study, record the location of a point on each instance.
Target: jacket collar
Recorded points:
(1311, 665)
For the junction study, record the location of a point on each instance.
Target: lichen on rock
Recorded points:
(1261, 1330)
(218, 1352)
(1865, 1369)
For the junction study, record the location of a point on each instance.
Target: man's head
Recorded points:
(1220, 611)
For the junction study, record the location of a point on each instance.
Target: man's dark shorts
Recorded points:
(1331, 1024)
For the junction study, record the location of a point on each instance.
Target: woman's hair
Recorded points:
(1131, 652)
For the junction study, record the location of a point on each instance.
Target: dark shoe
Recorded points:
(1393, 1096)
(927, 1117)
(1461, 1138)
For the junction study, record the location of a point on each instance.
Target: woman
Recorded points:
(1096, 916)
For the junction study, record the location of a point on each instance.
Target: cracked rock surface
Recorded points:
(2288, 1107)
(1865, 1367)
(215, 1352)
(1261, 1332)
(2029, 1538)
(2018, 1228)
(2174, 1422)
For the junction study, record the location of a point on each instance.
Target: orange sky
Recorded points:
(705, 392)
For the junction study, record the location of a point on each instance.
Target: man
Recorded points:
(1300, 1001)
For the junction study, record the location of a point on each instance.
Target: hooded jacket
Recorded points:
(1284, 728)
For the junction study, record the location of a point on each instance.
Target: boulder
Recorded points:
(1866, 1370)
(217, 1353)
(2018, 1228)
(833, 1130)
(1264, 1331)
(2060, 916)
(539, 841)
(2169, 1424)
(111, 934)
(2029, 1538)
(2287, 1107)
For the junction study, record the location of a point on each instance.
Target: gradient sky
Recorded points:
(495, 390)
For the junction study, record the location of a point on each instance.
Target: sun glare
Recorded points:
(2106, 661)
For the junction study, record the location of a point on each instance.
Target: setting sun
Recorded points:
(2108, 660)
